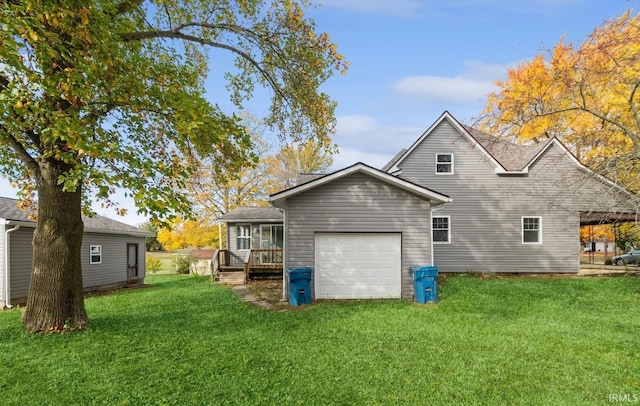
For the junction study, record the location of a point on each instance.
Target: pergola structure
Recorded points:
(602, 218)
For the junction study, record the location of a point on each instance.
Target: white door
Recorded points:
(357, 265)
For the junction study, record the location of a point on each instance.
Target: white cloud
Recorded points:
(356, 125)
(349, 156)
(444, 89)
(362, 139)
(471, 86)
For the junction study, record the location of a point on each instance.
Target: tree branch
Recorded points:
(621, 126)
(177, 34)
(632, 106)
(21, 152)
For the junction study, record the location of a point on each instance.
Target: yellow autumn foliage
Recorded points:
(587, 96)
(188, 233)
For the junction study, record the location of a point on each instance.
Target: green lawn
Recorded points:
(489, 341)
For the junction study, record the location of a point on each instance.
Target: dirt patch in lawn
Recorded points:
(266, 294)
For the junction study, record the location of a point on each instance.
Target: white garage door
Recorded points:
(357, 265)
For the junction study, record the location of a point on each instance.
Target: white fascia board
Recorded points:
(446, 115)
(410, 187)
(360, 167)
(120, 232)
(141, 233)
(502, 171)
(580, 165)
(263, 220)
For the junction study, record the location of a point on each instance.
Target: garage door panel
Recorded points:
(358, 265)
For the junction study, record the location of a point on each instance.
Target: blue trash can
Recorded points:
(300, 286)
(425, 286)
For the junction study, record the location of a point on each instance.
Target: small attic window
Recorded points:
(444, 164)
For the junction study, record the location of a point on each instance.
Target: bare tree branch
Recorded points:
(21, 152)
(177, 34)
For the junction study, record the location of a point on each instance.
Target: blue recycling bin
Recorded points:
(300, 286)
(425, 285)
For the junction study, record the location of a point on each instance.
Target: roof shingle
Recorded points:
(512, 156)
(252, 213)
(9, 210)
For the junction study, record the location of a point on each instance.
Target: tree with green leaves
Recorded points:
(151, 243)
(110, 94)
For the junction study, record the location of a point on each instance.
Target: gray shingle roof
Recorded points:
(393, 160)
(252, 213)
(512, 156)
(9, 210)
(307, 177)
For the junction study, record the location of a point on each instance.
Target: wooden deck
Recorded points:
(231, 269)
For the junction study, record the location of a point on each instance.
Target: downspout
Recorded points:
(431, 211)
(284, 254)
(7, 273)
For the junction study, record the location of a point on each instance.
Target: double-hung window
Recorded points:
(441, 227)
(243, 236)
(444, 164)
(532, 230)
(95, 254)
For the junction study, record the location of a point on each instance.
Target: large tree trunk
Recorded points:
(55, 302)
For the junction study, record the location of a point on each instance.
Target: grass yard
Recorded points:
(516, 340)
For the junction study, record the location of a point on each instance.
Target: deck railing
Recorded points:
(255, 261)
(227, 259)
(261, 257)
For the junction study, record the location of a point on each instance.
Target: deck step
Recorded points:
(231, 278)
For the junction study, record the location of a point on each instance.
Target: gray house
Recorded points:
(255, 239)
(253, 227)
(458, 199)
(113, 253)
(361, 230)
(515, 208)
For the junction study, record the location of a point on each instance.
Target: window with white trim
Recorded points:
(444, 164)
(441, 228)
(532, 230)
(243, 236)
(95, 254)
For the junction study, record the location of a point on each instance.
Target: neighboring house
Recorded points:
(515, 208)
(200, 260)
(113, 253)
(360, 230)
(255, 240)
(599, 246)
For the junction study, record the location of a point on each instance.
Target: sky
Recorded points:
(411, 60)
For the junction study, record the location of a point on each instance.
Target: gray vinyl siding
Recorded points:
(232, 234)
(21, 261)
(358, 203)
(112, 271)
(487, 209)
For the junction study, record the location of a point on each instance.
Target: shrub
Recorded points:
(182, 263)
(607, 261)
(153, 264)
